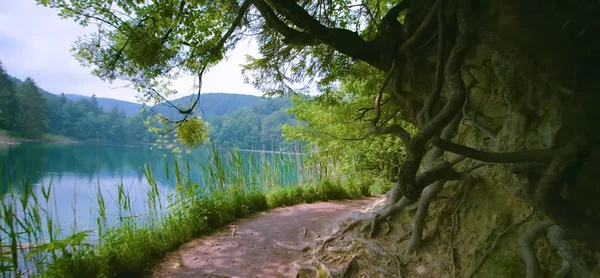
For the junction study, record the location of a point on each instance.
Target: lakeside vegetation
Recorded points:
(126, 245)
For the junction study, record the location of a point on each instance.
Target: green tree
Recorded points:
(240, 129)
(9, 103)
(33, 110)
(55, 108)
(271, 129)
(93, 105)
(336, 123)
(116, 125)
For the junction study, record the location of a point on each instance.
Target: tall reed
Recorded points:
(233, 184)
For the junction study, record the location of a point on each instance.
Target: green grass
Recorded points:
(324, 191)
(131, 249)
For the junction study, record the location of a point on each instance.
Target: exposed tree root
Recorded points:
(527, 242)
(356, 219)
(501, 234)
(447, 134)
(419, 220)
(426, 112)
(349, 265)
(341, 249)
(398, 266)
(304, 269)
(572, 264)
(387, 212)
(373, 247)
(300, 248)
(454, 219)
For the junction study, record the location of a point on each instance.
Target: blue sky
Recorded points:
(35, 42)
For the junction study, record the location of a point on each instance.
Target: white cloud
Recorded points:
(35, 42)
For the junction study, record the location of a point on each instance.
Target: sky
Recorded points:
(35, 42)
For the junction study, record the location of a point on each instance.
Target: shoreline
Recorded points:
(11, 140)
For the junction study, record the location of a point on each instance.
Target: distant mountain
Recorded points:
(210, 104)
(108, 104)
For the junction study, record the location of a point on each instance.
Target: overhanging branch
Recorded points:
(393, 129)
(291, 36)
(543, 155)
(345, 41)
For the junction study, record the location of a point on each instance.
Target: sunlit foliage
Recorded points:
(337, 124)
(193, 132)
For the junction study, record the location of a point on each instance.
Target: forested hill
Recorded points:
(107, 104)
(235, 120)
(210, 104)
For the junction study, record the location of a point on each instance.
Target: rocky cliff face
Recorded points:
(529, 87)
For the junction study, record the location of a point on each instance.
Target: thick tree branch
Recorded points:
(543, 155)
(391, 17)
(343, 40)
(291, 36)
(439, 172)
(392, 129)
(447, 134)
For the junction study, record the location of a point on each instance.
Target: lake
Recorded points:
(75, 175)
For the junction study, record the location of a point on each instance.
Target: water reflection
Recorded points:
(78, 172)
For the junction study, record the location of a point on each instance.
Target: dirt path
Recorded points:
(253, 251)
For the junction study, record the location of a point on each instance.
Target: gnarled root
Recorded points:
(387, 212)
(429, 193)
(300, 248)
(419, 221)
(572, 264)
(527, 242)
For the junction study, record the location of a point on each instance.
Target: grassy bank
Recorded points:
(131, 251)
(131, 248)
